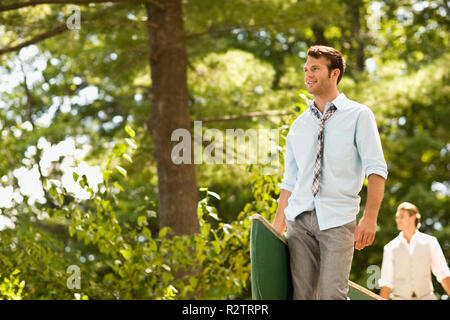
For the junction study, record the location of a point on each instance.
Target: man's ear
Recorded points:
(336, 73)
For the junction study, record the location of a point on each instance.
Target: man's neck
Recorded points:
(321, 101)
(408, 234)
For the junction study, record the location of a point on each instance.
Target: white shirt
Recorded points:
(352, 150)
(432, 259)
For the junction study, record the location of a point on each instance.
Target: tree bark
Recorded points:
(358, 34)
(177, 184)
(319, 34)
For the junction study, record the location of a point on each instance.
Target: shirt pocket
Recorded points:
(339, 144)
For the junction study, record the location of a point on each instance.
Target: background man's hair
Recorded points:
(412, 210)
(334, 56)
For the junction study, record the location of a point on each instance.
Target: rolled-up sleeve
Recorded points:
(439, 265)
(369, 145)
(387, 269)
(290, 168)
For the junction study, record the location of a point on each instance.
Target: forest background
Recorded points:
(92, 205)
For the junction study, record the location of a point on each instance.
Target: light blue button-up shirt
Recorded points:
(352, 150)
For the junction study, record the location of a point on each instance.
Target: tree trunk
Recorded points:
(358, 34)
(319, 34)
(177, 184)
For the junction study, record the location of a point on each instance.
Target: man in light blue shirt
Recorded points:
(330, 148)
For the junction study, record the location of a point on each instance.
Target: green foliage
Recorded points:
(130, 262)
(11, 287)
(228, 84)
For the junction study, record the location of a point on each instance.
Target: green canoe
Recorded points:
(270, 271)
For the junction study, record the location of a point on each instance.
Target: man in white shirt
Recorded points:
(409, 259)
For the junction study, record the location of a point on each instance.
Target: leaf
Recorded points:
(216, 246)
(60, 200)
(16, 271)
(165, 267)
(122, 170)
(75, 176)
(118, 186)
(163, 232)
(106, 205)
(214, 215)
(130, 131)
(119, 149)
(131, 143)
(215, 195)
(127, 157)
(126, 254)
(205, 230)
(227, 228)
(146, 233)
(151, 214)
(91, 191)
(142, 221)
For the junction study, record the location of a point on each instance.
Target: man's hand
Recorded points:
(446, 284)
(367, 226)
(385, 292)
(279, 222)
(365, 233)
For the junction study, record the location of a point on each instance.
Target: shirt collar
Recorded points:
(340, 102)
(413, 238)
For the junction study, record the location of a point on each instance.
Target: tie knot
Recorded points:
(328, 114)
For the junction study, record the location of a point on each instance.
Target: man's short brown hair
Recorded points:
(412, 211)
(334, 56)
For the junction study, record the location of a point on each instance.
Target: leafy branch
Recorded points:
(20, 5)
(58, 30)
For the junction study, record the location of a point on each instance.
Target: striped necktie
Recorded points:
(319, 154)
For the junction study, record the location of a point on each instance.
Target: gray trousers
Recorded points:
(320, 260)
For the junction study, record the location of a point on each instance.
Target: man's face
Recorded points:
(404, 220)
(317, 77)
